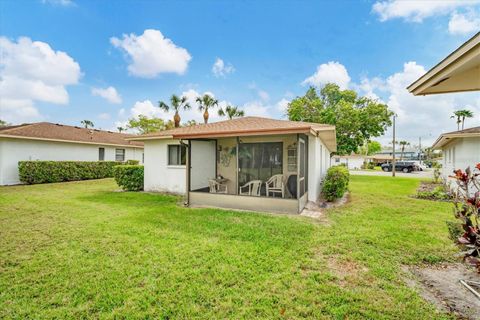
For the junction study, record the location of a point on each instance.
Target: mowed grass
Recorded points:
(83, 250)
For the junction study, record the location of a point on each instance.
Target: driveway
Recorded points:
(416, 174)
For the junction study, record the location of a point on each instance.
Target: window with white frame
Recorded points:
(177, 155)
(120, 155)
(101, 154)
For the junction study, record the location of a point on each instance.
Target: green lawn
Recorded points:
(83, 250)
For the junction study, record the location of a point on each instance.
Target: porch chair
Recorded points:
(216, 187)
(251, 188)
(275, 185)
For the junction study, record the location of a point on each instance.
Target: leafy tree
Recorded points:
(121, 129)
(357, 119)
(231, 112)
(403, 144)
(176, 104)
(87, 124)
(206, 102)
(3, 123)
(190, 123)
(148, 125)
(369, 148)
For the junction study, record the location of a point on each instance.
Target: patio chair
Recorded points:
(275, 185)
(216, 187)
(251, 188)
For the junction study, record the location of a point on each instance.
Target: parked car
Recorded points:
(404, 166)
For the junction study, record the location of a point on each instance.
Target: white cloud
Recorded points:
(415, 10)
(32, 71)
(146, 108)
(221, 69)
(104, 116)
(152, 54)
(282, 107)
(464, 23)
(263, 95)
(110, 94)
(331, 72)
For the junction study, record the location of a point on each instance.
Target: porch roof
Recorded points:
(247, 126)
(447, 137)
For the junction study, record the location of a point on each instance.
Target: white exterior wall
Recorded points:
(318, 164)
(460, 154)
(14, 150)
(159, 176)
(352, 163)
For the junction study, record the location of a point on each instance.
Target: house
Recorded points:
(58, 142)
(248, 163)
(461, 149)
(458, 72)
(352, 162)
(409, 154)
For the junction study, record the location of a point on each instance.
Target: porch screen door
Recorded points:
(259, 161)
(302, 164)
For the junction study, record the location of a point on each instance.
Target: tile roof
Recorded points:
(238, 127)
(60, 132)
(445, 138)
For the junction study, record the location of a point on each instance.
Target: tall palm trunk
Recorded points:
(176, 119)
(205, 116)
(463, 122)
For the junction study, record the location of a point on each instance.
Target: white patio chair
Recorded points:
(275, 185)
(251, 188)
(216, 187)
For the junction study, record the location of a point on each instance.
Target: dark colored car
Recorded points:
(403, 166)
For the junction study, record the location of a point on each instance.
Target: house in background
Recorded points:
(352, 162)
(57, 142)
(409, 154)
(458, 72)
(248, 163)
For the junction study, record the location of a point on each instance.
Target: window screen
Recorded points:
(177, 155)
(120, 155)
(101, 154)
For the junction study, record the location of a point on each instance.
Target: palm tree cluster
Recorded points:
(205, 103)
(460, 116)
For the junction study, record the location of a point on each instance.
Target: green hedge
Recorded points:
(33, 172)
(336, 183)
(129, 177)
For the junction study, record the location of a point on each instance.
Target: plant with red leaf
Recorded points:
(467, 209)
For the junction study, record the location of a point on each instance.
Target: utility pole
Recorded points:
(420, 149)
(393, 144)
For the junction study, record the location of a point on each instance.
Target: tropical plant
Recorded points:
(87, 124)
(403, 144)
(121, 129)
(206, 102)
(176, 104)
(461, 115)
(357, 119)
(467, 210)
(231, 112)
(148, 125)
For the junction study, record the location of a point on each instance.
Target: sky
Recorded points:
(64, 61)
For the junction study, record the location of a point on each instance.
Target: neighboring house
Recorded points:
(461, 149)
(57, 142)
(352, 162)
(458, 72)
(408, 154)
(228, 163)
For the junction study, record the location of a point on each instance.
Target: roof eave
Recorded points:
(70, 141)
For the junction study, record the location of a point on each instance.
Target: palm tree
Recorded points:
(403, 143)
(120, 129)
(87, 123)
(231, 112)
(206, 102)
(457, 115)
(176, 103)
(465, 114)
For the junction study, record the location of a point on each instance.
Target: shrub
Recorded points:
(33, 172)
(336, 183)
(132, 162)
(439, 193)
(129, 177)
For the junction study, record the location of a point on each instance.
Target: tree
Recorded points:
(148, 125)
(3, 123)
(357, 119)
(121, 129)
(231, 112)
(457, 115)
(370, 147)
(190, 123)
(464, 114)
(403, 144)
(206, 102)
(87, 124)
(176, 104)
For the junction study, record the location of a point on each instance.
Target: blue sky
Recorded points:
(266, 53)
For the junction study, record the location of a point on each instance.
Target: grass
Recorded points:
(82, 250)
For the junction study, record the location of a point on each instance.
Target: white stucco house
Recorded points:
(57, 142)
(461, 149)
(248, 163)
(352, 162)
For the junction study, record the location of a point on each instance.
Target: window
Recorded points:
(259, 161)
(177, 155)
(120, 155)
(101, 154)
